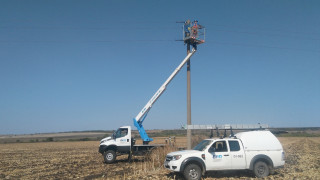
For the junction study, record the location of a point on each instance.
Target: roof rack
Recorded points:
(226, 127)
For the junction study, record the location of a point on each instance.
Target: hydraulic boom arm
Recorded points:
(143, 113)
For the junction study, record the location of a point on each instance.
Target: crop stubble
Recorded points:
(70, 160)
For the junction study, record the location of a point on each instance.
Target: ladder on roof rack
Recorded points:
(226, 127)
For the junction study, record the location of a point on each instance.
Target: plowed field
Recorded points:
(71, 160)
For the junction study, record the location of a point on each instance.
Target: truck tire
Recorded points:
(261, 169)
(109, 156)
(192, 172)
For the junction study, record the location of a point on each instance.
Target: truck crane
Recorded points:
(138, 120)
(121, 141)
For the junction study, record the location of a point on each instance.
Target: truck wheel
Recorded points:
(109, 156)
(261, 169)
(192, 172)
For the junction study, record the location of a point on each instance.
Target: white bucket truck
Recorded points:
(121, 141)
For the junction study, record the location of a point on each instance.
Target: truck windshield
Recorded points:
(121, 132)
(202, 145)
(113, 136)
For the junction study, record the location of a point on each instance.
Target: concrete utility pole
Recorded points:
(192, 35)
(189, 142)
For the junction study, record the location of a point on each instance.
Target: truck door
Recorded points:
(218, 156)
(123, 139)
(237, 155)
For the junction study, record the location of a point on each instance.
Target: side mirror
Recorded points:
(212, 149)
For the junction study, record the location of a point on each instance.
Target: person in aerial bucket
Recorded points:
(195, 29)
(187, 28)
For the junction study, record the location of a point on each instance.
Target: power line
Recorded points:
(99, 41)
(279, 30)
(118, 28)
(262, 46)
(266, 34)
(167, 40)
(160, 28)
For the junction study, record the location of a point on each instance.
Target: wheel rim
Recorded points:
(109, 156)
(261, 170)
(193, 173)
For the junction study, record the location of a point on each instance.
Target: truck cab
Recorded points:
(225, 154)
(119, 142)
(259, 151)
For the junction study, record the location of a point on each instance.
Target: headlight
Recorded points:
(103, 141)
(176, 157)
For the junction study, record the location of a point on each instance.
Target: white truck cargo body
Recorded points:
(261, 142)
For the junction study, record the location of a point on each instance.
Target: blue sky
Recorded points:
(88, 65)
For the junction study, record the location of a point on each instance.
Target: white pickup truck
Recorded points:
(259, 151)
